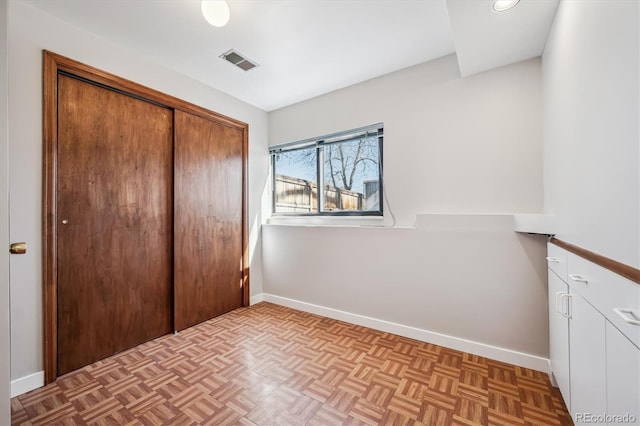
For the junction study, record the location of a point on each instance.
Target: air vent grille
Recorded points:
(238, 60)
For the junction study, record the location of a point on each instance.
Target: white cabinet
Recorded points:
(559, 334)
(587, 358)
(617, 298)
(594, 332)
(623, 378)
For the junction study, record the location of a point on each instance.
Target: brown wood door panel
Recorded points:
(208, 215)
(114, 254)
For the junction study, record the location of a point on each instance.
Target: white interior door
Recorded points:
(5, 412)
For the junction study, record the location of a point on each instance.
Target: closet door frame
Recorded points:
(53, 65)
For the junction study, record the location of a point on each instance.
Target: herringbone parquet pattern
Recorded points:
(271, 365)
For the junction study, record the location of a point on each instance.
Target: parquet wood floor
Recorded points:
(271, 365)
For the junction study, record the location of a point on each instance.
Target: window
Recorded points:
(347, 167)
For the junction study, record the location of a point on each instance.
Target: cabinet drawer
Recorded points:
(557, 260)
(616, 297)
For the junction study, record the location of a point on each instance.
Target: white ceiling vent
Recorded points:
(238, 60)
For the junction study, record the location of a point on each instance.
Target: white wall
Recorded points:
(451, 145)
(591, 118)
(482, 283)
(5, 411)
(30, 31)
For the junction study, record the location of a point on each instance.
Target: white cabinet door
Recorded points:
(623, 378)
(587, 359)
(559, 335)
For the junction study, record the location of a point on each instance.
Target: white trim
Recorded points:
(27, 383)
(521, 359)
(256, 299)
(5, 316)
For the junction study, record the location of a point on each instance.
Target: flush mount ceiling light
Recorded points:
(502, 5)
(216, 12)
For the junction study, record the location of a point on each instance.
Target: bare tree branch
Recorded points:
(330, 160)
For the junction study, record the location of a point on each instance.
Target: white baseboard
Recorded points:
(256, 299)
(27, 383)
(521, 359)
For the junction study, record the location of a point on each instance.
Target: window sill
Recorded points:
(327, 220)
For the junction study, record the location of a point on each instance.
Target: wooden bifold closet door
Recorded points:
(144, 215)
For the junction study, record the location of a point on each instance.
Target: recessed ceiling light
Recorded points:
(502, 5)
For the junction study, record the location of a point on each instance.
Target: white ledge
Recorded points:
(534, 224)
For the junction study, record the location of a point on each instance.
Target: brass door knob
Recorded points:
(18, 248)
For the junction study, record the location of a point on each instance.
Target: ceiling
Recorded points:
(306, 48)
(485, 39)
